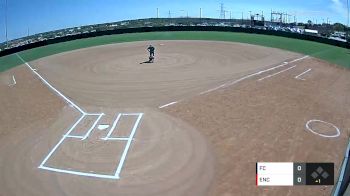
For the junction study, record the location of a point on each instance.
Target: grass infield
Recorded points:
(332, 54)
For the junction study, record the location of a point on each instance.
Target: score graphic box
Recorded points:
(290, 174)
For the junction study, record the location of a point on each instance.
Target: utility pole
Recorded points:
(347, 34)
(222, 11)
(7, 41)
(157, 12)
(200, 12)
(169, 14)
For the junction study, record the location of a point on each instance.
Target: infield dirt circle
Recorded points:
(210, 111)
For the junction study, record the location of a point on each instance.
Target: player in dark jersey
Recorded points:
(151, 53)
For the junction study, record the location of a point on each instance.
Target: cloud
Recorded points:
(339, 6)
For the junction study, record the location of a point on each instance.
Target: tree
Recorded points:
(309, 22)
(338, 27)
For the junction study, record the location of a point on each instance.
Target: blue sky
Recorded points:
(46, 15)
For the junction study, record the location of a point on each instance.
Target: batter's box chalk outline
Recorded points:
(119, 168)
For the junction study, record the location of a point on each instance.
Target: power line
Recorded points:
(222, 11)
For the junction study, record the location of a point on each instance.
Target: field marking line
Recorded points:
(126, 149)
(61, 140)
(213, 89)
(166, 105)
(80, 173)
(50, 86)
(299, 59)
(75, 136)
(320, 134)
(83, 114)
(298, 76)
(118, 138)
(13, 81)
(93, 126)
(227, 84)
(274, 74)
(113, 127)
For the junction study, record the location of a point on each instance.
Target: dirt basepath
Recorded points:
(204, 144)
(112, 76)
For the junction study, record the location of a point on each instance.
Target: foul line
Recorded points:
(50, 86)
(298, 76)
(67, 134)
(227, 84)
(269, 76)
(166, 105)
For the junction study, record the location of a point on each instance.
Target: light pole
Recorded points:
(7, 44)
(347, 35)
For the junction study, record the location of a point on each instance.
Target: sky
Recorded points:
(38, 16)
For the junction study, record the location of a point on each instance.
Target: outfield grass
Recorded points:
(332, 54)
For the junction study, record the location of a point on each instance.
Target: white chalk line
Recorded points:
(122, 159)
(299, 59)
(59, 143)
(298, 76)
(227, 84)
(13, 81)
(50, 86)
(80, 173)
(322, 135)
(126, 149)
(166, 105)
(274, 74)
(113, 127)
(92, 127)
(67, 135)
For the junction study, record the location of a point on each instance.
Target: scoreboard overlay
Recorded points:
(290, 174)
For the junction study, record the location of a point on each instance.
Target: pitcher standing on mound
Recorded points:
(151, 53)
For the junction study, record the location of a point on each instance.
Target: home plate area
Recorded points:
(103, 140)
